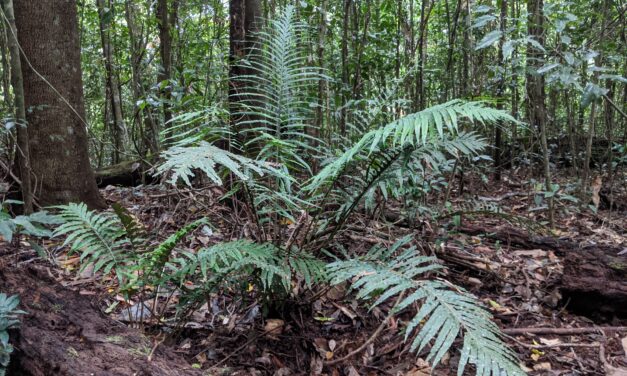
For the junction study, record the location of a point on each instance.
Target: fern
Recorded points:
(100, 238)
(443, 315)
(414, 131)
(275, 103)
(182, 160)
(8, 320)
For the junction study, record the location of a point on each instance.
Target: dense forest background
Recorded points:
(277, 187)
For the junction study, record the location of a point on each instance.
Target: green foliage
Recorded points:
(32, 224)
(402, 150)
(231, 263)
(432, 126)
(445, 312)
(182, 160)
(8, 320)
(117, 243)
(275, 103)
(100, 238)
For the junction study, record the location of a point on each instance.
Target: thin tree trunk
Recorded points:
(149, 132)
(23, 151)
(498, 142)
(345, 68)
(118, 128)
(165, 72)
(535, 89)
(425, 13)
(316, 130)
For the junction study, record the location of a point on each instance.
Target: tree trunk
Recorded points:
(535, 87)
(245, 16)
(149, 132)
(345, 68)
(425, 12)
(48, 34)
(498, 136)
(118, 128)
(22, 152)
(165, 73)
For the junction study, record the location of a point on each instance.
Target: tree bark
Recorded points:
(165, 73)
(425, 13)
(48, 34)
(535, 87)
(22, 152)
(245, 16)
(149, 132)
(118, 128)
(498, 136)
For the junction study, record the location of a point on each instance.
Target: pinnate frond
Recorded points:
(444, 314)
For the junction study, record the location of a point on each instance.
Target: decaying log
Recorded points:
(125, 174)
(594, 280)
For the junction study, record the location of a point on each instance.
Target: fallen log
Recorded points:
(64, 334)
(594, 280)
(125, 174)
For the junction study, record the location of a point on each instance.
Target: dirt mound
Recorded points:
(64, 334)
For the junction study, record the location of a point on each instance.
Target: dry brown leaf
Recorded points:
(544, 366)
(536, 253)
(273, 328)
(422, 368)
(550, 342)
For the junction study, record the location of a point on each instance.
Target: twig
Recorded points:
(369, 340)
(565, 331)
(241, 347)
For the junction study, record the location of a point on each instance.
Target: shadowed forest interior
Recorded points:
(331, 187)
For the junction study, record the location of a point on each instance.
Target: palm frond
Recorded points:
(444, 313)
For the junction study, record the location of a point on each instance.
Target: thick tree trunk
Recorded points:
(48, 34)
(22, 153)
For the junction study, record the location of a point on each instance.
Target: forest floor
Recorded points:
(562, 311)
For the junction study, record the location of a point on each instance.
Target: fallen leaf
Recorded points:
(550, 342)
(536, 253)
(273, 328)
(544, 366)
(624, 342)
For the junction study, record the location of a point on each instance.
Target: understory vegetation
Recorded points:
(300, 137)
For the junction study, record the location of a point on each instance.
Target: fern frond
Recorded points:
(245, 256)
(156, 259)
(182, 161)
(411, 132)
(100, 238)
(444, 313)
(275, 99)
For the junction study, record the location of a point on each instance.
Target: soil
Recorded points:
(63, 333)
